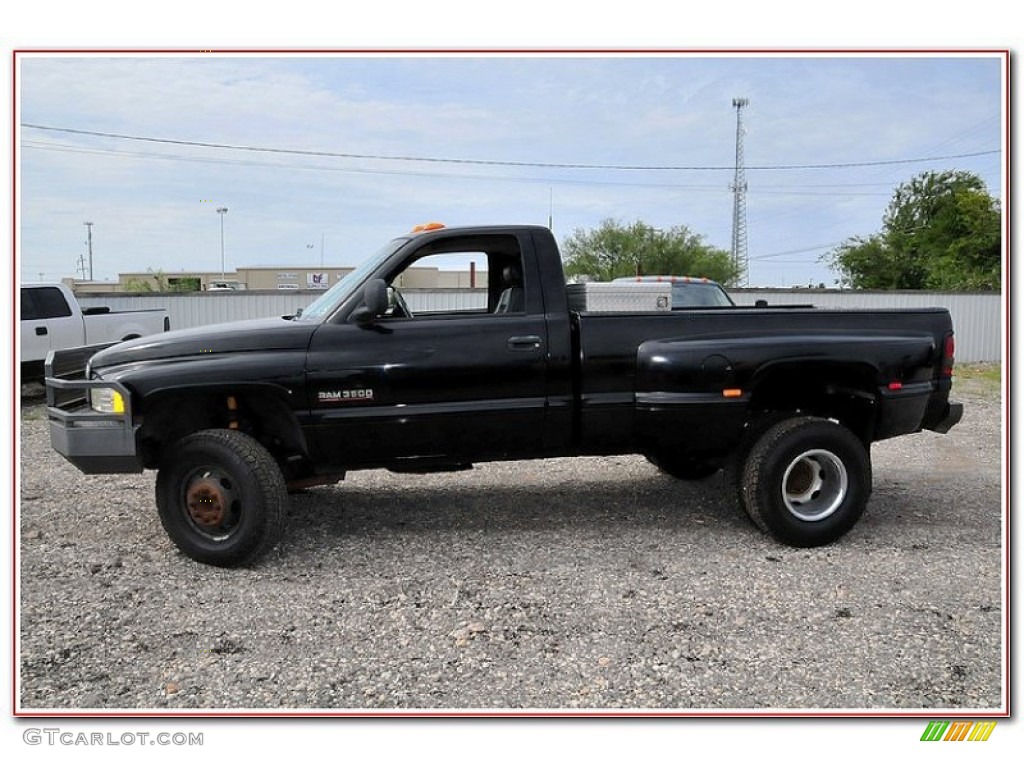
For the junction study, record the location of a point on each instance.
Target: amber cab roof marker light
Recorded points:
(430, 226)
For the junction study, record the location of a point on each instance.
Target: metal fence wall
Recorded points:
(976, 316)
(189, 310)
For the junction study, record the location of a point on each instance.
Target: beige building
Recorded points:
(291, 278)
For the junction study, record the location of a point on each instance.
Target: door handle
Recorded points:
(41, 330)
(524, 342)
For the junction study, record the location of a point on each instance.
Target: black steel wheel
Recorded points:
(806, 481)
(221, 497)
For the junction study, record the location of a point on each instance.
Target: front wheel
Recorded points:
(806, 481)
(221, 497)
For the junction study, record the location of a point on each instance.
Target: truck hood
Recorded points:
(248, 336)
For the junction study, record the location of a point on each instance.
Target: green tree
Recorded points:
(616, 250)
(159, 282)
(185, 284)
(138, 285)
(941, 231)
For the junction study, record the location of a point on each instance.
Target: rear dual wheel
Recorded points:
(806, 481)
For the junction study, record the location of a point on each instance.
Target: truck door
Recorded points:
(450, 373)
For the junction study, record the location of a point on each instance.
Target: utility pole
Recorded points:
(322, 250)
(739, 201)
(80, 265)
(88, 225)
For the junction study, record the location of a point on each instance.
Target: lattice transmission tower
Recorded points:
(739, 201)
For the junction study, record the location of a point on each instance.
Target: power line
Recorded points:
(32, 144)
(501, 163)
(796, 251)
(780, 190)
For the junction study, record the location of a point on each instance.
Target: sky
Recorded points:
(365, 147)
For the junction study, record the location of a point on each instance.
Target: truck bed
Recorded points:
(668, 371)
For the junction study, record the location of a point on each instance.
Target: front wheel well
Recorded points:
(168, 417)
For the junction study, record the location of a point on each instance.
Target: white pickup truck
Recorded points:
(51, 318)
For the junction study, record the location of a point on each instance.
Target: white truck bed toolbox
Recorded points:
(620, 297)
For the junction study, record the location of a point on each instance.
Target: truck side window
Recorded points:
(28, 306)
(482, 275)
(41, 303)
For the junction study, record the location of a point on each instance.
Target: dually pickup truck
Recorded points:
(234, 416)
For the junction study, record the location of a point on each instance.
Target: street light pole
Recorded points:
(88, 225)
(222, 211)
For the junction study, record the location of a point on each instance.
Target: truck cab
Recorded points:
(48, 321)
(504, 405)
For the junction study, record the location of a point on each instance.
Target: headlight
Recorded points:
(106, 400)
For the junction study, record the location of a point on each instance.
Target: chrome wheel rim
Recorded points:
(814, 485)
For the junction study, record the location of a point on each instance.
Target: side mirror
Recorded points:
(375, 302)
(375, 296)
(298, 312)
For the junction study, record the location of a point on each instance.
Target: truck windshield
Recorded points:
(699, 295)
(325, 304)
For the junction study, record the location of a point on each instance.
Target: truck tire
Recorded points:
(806, 481)
(758, 424)
(221, 497)
(681, 468)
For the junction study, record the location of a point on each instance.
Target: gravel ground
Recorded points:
(570, 583)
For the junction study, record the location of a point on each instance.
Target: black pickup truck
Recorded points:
(234, 416)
